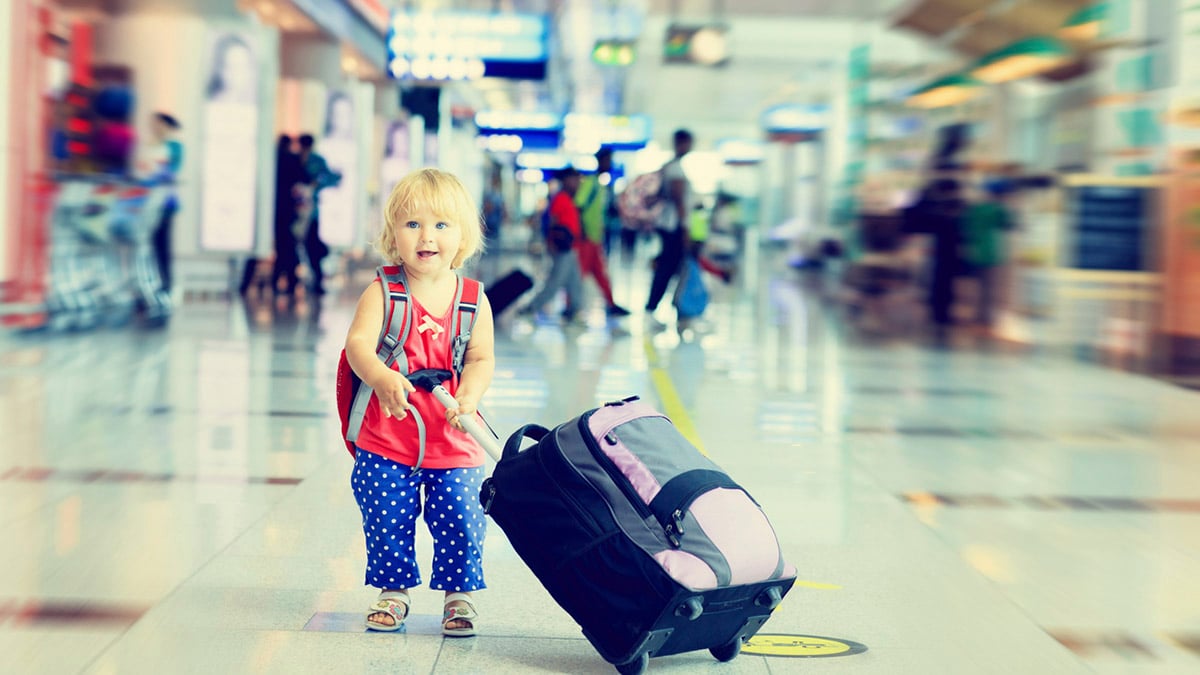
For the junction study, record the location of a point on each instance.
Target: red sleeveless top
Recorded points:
(428, 346)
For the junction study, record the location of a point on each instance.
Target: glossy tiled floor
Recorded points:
(178, 501)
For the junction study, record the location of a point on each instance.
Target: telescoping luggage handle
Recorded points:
(431, 379)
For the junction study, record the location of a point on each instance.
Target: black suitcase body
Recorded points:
(507, 289)
(627, 605)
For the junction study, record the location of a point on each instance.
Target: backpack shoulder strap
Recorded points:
(395, 334)
(396, 326)
(466, 305)
(390, 345)
(466, 309)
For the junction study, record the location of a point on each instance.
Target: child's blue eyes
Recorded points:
(415, 225)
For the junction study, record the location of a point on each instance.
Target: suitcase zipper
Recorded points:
(610, 467)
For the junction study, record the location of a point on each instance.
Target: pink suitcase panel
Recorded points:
(727, 517)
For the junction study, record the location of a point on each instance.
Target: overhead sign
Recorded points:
(513, 131)
(794, 118)
(587, 133)
(701, 45)
(555, 161)
(456, 45)
(740, 151)
(514, 120)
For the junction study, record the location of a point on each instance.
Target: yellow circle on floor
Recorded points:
(800, 646)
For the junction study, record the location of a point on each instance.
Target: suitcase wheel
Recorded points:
(636, 666)
(692, 609)
(769, 598)
(727, 651)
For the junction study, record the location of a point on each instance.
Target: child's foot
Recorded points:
(389, 611)
(458, 616)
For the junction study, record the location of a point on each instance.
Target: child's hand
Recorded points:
(466, 408)
(391, 394)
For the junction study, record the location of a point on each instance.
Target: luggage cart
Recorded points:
(102, 263)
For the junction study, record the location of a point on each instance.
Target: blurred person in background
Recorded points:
(984, 224)
(159, 165)
(316, 176)
(699, 225)
(592, 198)
(675, 196)
(938, 212)
(494, 209)
(562, 228)
(288, 175)
(612, 219)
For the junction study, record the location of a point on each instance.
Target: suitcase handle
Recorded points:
(430, 380)
(513, 447)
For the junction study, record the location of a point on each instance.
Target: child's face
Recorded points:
(426, 242)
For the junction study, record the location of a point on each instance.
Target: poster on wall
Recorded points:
(337, 145)
(396, 158)
(229, 173)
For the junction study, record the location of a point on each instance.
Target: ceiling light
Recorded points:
(1085, 24)
(709, 46)
(1021, 59)
(949, 90)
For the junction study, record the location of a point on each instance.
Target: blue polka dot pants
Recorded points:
(391, 499)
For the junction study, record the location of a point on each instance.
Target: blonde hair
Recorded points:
(445, 197)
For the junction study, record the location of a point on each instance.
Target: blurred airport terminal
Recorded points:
(935, 304)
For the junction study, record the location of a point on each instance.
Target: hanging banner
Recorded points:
(397, 155)
(337, 203)
(229, 143)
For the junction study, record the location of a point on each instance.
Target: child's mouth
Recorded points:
(424, 255)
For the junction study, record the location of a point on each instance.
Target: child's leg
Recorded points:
(388, 497)
(458, 525)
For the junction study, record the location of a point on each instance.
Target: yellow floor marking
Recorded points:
(669, 398)
(674, 409)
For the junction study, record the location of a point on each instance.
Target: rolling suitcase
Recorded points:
(505, 290)
(645, 542)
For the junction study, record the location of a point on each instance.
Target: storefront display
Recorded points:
(338, 146)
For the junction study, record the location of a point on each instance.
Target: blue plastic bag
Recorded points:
(691, 296)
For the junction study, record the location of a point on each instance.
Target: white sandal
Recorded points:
(393, 603)
(466, 614)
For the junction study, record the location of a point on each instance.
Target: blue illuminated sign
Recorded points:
(511, 120)
(458, 45)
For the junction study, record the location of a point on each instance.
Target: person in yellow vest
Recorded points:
(592, 201)
(698, 228)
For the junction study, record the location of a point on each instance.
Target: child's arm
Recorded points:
(479, 366)
(361, 341)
